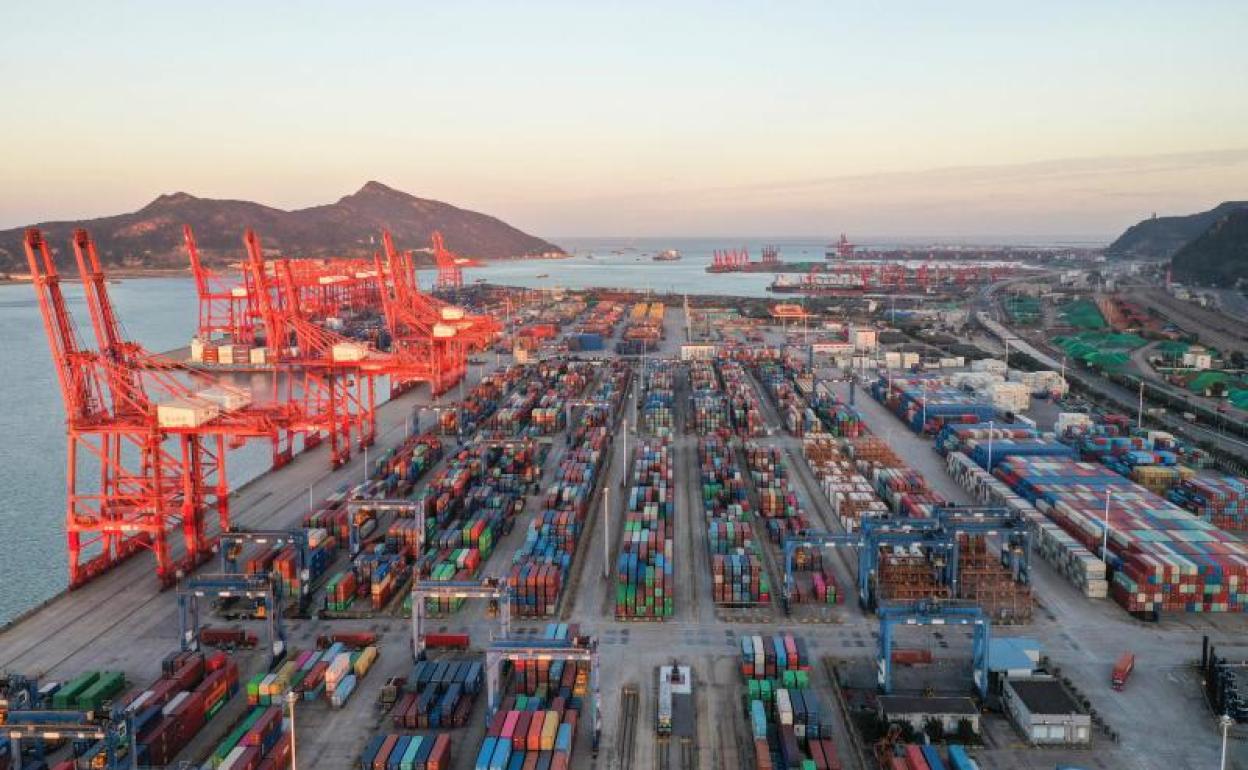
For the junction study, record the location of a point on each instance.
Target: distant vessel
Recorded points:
(667, 255)
(543, 275)
(842, 249)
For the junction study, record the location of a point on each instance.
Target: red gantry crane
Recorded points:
(225, 309)
(450, 265)
(146, 452)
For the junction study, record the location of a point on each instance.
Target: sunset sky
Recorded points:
(637, 118)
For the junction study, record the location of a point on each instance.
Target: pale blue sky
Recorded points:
(637, 118)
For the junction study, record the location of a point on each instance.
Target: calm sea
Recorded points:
(160, 314)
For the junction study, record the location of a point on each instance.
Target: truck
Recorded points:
(1122, 670)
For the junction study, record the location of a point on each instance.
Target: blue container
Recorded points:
(486, 753)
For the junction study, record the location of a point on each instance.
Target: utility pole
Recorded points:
(606, 532)
(1105, 531)
(291, 699)
(991, 429)
(1139, 415)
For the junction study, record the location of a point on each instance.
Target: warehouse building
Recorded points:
(916, 711)
(1045, 712)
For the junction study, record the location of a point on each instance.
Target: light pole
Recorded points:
(1225, 723)
(991, 429)
(291, 699)
(624, 455)
(606, 532)
(1105, 531)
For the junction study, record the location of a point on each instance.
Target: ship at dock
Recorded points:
(821, 284)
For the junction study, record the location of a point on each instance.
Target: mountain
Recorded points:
(350, 227)
(1217, 257)
(1162, 237)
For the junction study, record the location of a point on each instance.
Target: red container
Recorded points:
(379, 762)
(910, 657)
(447, 641)
(1122, 670)
(440, 757)
(279, 757)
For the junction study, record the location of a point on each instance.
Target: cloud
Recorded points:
(1096, 195)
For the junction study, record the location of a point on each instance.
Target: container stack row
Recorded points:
(260, 741)
(799, 419)
(1054, 545)
(710, 407)
(542, 562)
(813, 580)
(656, 400)
(743, 406)
(644, 573)
(777, 503)
(438, 694)
(536, 724)
(790, 727)
(330, 673)
(838, 418)
(853, 498)
(926, 405)
(1163, 558)
(953, 438)
(192, 689)
(738, 577)
(407, 752)
(1221, 500)
(644, 330)
(469, 505)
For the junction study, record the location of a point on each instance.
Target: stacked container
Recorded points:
(1163, 558)
(737, 575)
(438, 694)
(644, 567)
(192, 689)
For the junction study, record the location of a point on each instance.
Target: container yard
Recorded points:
(597, 533)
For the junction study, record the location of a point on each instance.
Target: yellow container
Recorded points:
(368, 656)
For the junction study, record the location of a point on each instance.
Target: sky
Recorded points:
(637, 118)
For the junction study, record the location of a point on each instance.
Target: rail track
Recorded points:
(626, 742)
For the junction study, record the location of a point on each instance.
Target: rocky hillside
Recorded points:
(152, 236)
(1219, 256)
(1162, 237)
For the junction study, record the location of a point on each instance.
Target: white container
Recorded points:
(137, 704)
(229, 399)
(185, 413)
(174, 702)
(232, 758)
(259, 355)
(443, 331)
(784, 707)
(452, 313)
(348, 351)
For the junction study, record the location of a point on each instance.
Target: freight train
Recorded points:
(674, 715)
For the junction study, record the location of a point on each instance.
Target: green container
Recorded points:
(236, 735)
(103, 689)
(67, 696)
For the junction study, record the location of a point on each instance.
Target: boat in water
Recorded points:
(667, 255)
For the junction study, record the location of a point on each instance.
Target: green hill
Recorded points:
(1219, 256)
(1162, 237)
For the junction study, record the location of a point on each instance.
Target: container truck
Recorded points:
(1122, 670)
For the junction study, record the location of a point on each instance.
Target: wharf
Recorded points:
(122, 622)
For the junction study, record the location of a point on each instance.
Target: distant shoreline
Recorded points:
(134, 273)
